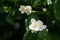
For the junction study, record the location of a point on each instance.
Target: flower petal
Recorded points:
(44, 26)
(28, 7)
(37, 29)
(33, 20)
(22, 9)
(40, 22)
(28, 10)
(31, 27)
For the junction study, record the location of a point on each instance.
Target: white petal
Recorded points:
(41, 28)
(33, 20)
(22, 6)
(36, 29)
(28, 7)
(28, 10)
(31, 27)
(22, 9)
(40, 22)
(44, 26)
(22, 12)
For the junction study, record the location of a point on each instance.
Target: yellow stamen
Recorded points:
(35, 24)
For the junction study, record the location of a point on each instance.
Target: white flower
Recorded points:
(36, 25)
(47, 30)
(22, 9)
(49, 2)
(41, 26)
(28, 10)
(25, 9)
(44, 9)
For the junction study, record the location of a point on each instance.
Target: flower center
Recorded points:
(23, 8)
(35, 24)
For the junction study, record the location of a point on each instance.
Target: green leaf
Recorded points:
(27, 35)
(57, 12)
(20, 16)
(43, 35)
(54, 36)
(57, 9)
(2, 18)
(10, 19)
(30, 36)
(36, 3)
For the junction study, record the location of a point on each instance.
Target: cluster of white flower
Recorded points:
(25, 9)
(36, 25)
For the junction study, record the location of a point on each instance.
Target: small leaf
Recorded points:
(30, 36)
(36, 3)
(43, 35)
(10, 19)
